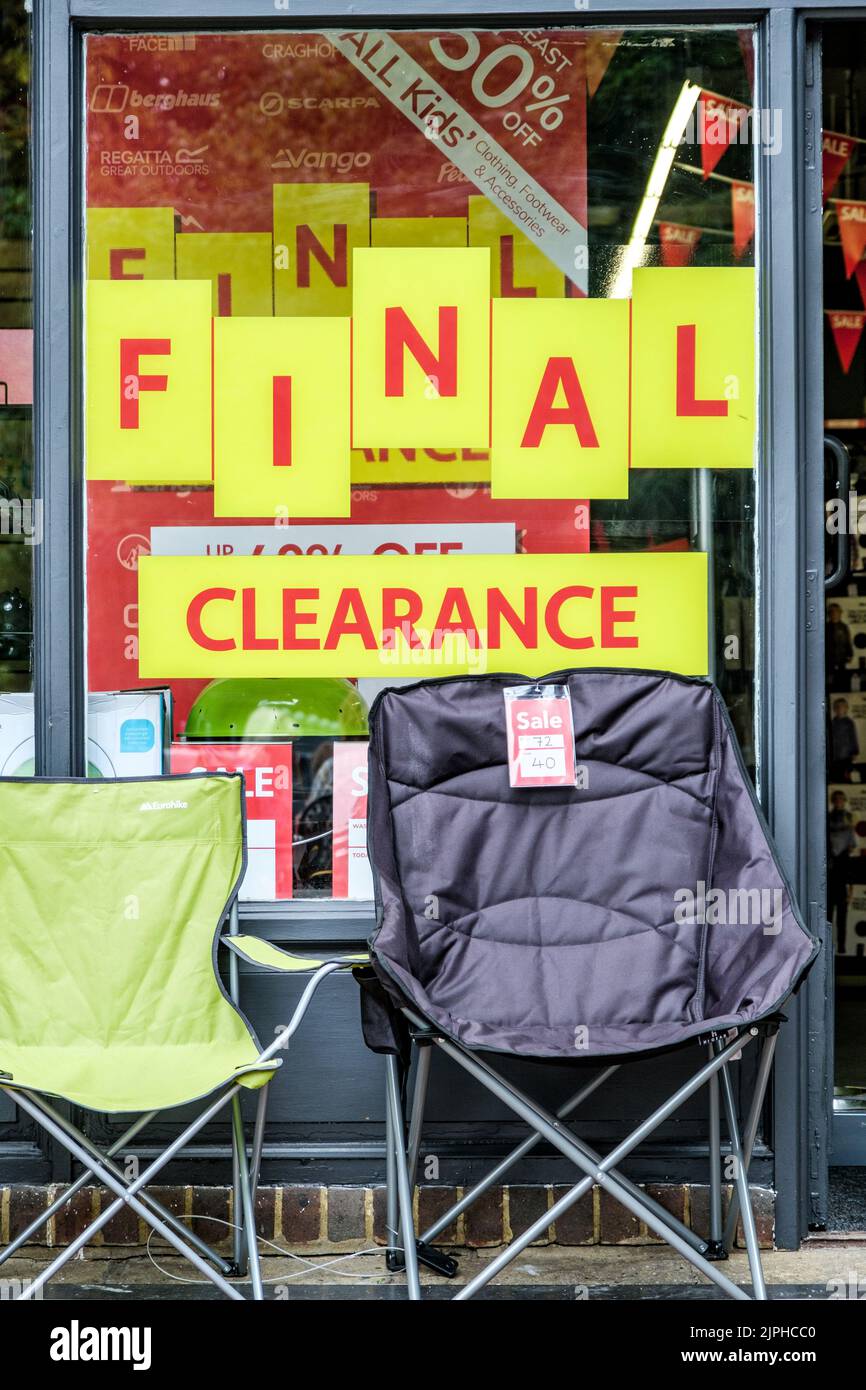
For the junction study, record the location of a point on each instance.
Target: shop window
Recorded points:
(238, 182)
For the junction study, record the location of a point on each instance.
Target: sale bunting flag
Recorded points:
(678, 242)
(851, 217)
(835, 152)
(720, 121)
(846, 325)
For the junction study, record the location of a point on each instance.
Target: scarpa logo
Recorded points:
(163, 806)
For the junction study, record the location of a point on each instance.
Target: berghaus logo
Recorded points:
(163, 806)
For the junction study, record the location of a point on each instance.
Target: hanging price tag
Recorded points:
(540, 736)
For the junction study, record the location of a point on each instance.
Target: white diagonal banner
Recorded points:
(476, 154)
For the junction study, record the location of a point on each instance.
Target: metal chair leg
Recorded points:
(765, 1067)
(419, 1101)
(742, 1184)
(428, 1255)
(239, 1253)
(258, 1140)
(250, 1242)
(125, 1193)
(404, 1191)
(393, 1255)
(239, 1260)
(82, 1180)
(715, 1245)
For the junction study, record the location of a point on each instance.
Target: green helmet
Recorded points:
(265, 709)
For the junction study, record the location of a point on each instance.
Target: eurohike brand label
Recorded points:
(388, 615)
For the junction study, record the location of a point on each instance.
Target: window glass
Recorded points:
(269, 168)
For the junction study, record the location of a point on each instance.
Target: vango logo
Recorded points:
(341, 160)
(164, 806)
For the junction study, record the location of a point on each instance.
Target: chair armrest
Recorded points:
(269, 957)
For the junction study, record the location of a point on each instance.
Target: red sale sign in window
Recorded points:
(540, 736)
(267, 769)
(351, 867)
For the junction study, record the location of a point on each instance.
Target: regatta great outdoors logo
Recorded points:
(77, 1343)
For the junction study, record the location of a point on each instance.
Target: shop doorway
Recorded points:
(844, 376)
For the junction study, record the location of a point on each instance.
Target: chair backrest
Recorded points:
(112, 895)
(556, 919)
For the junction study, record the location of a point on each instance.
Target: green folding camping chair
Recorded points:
(115, 894)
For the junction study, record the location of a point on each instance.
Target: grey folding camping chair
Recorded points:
(115, 894)
(573, 922)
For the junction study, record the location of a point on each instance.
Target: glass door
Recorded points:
(406, 353)
(844, 267)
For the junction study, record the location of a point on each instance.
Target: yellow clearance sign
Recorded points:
(268, 376)
(399, 616)
(561, 377)
(421, 348)
(694, 388)
(148, 395)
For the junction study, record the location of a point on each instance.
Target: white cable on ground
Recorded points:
(308, 1264)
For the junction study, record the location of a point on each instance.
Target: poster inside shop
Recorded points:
(846, 866)
(846, 642)
(352, 877)
(846, 748)
(847, 807)
(853, 942)
(267, 771)
(376, 127)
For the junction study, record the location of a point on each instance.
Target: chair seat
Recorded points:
(131, 1079)
(629, 913)
(499, 1030)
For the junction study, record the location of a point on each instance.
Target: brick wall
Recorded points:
(327, 1218)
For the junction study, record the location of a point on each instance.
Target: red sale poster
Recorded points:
(351, 868)
(267, 769)
(208, 123)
